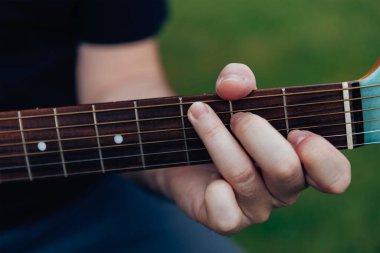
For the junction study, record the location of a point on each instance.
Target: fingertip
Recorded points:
(235, 82)
(339, 186)
(197, 110)
(295, 137)
(326, 168)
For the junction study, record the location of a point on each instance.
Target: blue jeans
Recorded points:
(116, 216)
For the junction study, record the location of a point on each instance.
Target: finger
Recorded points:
(223, 212)
(231, 160)
(327, 169)
(280, 166)
(235, 82)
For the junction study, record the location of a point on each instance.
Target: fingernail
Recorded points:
(198, 109)
(236, 118)
(295, 137)
(231, 79)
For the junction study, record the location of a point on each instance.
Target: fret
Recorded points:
(125, 154)
(184, 131)
(24, 146)
(139, 134)
(357, 117)
(285, 109)
(59, 142)
(42, 143)
(78, 138)
(272, 111)
(10, 134)
(10, 144)
(305, 113)
(97, 138)
(347, 115)
(198, 150)
(164, 135)
(231, 108)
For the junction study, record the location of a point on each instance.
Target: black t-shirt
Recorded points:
(38, 54)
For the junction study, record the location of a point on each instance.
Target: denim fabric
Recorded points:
(116, 216)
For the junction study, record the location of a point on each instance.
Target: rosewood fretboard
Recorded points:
(155, 133)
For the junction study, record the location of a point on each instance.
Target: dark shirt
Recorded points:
(38, 54)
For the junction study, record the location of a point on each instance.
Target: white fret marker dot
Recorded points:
(118, 139)
(41, 146)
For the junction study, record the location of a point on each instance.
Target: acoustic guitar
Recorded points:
(38, 144)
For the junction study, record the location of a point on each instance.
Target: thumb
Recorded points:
(235, 81)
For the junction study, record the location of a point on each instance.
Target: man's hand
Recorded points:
(234, 193)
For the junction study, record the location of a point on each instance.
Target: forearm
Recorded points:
(121, 72)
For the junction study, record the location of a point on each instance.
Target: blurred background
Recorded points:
(288, 43)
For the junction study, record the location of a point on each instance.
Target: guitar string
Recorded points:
(111, 170)
(104, 158)
(188, 103)
(128, 156)
(185, 116)
(175, 129)
(125, 169)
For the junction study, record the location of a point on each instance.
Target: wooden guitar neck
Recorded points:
(155, 133)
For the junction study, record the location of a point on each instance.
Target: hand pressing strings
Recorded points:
(233, 193)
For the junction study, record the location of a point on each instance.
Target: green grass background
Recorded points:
(288, 43)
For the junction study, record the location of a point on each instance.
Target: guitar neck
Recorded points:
(155, 133)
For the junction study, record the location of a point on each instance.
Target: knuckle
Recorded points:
(308, 148)
(289, 172)
(211, 132)
(287, 201)
(305, 153)
(243, 182)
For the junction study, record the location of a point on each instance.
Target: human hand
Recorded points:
(234, 193)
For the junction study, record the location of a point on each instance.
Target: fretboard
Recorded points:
(155, 133)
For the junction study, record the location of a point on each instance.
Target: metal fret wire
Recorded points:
(205, 101)
(223, 112)
(60, 143)
(285, 109)
(190, 128)
(139, 135)
(24, 147)
(97, 138)
(184, 130)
